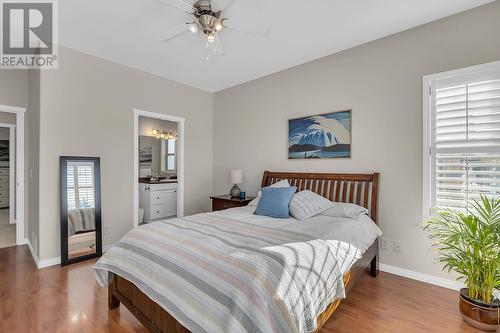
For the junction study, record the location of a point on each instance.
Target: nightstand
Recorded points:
(222, 202)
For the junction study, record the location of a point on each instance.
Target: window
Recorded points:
(171, 155)
(80, 183)
(461, 137)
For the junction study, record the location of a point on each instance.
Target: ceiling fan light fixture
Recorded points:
(218, 25)
(211, 38)
(193, 27)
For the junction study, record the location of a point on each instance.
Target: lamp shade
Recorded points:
(236, 176)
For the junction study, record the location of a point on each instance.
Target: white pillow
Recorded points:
(281, 183)
(344, 209)
(307, 204)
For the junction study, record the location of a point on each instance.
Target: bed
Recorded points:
(144, 300)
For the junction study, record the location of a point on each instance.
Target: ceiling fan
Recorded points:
(209, 22)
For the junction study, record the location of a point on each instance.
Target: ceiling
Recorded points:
(130, 32)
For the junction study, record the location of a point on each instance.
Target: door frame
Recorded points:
(12, 175)
(179, 157)
(19, 182)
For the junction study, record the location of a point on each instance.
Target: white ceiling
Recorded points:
(130, 32)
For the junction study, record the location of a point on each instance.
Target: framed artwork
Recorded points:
(321, 136)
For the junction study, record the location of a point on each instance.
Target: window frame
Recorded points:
(169, 154)
(429, 142)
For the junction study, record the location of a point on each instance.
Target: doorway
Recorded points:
(158, 167)
(7, 185)
(12, 176)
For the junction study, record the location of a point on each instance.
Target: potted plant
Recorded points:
(469, 244)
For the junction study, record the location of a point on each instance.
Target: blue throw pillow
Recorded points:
(275, 202)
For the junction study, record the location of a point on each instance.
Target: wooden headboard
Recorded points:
(360, 189)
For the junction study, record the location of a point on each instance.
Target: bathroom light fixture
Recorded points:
(159, 134)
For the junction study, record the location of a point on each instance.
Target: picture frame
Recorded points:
(322, 136)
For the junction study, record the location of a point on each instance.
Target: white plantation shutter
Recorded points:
(466, 139)
(80, 183)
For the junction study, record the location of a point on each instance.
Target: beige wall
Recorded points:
(86, 109)
(32, 162)
(382, 83)
(14, 87)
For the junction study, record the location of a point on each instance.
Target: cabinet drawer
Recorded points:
(221, 205)
(4, 172)
(157, 211)
(157, 198)
(4, 179)
(4, 186)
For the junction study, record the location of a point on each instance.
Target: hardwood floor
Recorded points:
(68, 299)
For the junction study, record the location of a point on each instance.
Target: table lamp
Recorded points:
(236, 177)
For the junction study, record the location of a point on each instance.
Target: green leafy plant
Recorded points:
(469, 244)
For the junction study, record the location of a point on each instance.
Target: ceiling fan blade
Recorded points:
(176, 32)
(179, 4)
(248, 27)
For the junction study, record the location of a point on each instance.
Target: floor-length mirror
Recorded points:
(81, 237)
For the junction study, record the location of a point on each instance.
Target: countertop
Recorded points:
(163, 181)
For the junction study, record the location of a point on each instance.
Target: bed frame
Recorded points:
(361, 189)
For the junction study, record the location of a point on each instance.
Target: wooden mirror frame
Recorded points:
(63, 171)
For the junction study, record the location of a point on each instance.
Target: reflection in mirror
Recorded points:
(157, 156)
(80, 209)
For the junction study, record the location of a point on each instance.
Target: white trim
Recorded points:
(431, 279)
(48, 262)
(495, 65)
(19, 169)
(12, 173)
(42, 263)
(180, 160)
(428, 151)
(33, 254)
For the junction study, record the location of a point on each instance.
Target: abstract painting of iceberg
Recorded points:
(323, 136)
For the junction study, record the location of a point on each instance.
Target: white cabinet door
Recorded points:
(157, 212)
(170, 203)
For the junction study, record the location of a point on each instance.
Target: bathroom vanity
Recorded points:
(158, 199)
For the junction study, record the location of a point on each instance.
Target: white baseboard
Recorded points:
(49, 262)
(33, 254)
(42, 263)
(431, 279)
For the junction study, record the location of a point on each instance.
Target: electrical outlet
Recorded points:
(398, 246)
(384, 243)
(106, 230)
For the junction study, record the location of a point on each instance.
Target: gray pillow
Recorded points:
(307, 204)
(346, 210)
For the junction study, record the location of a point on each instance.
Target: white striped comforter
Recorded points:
(215, 274)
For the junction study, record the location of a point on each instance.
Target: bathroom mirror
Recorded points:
(81, 237)
(157, 156)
